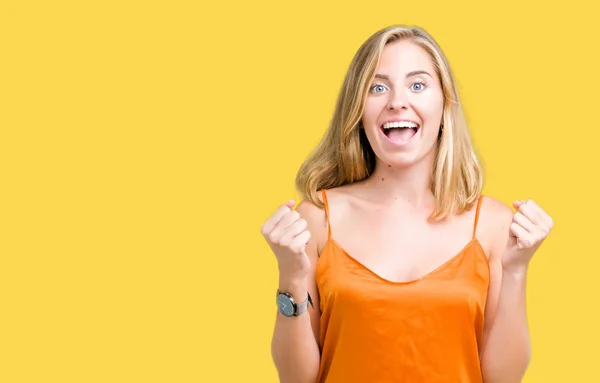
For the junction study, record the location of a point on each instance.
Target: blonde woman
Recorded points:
(394, 267)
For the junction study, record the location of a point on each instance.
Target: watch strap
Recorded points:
(302, 307)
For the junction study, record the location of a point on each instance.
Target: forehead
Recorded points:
(401, 57)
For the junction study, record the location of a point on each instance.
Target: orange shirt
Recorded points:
(426, 330)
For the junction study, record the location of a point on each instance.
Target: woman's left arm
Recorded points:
(506, 347)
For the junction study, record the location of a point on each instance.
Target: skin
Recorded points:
(406, 87)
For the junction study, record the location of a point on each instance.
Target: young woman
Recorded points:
(394, 267)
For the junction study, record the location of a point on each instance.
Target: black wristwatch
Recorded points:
(288, 306)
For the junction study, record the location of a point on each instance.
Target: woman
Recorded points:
(394, 267)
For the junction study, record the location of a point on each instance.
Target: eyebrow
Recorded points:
(409, 74)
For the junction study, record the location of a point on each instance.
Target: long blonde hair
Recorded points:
(344, 155)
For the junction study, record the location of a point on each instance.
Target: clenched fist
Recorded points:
(287, 235)
(529, 228)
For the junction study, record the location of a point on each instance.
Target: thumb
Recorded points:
(513, 241)
(291, 203)
(518, 203)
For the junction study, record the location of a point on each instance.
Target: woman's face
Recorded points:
(403, 109)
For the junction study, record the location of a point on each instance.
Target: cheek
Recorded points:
(371, 110)
(368, 115)
(430, 107)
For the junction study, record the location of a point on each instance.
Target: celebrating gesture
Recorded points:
(528, 230)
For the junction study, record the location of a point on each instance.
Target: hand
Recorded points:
(529, 228)
(287, 235)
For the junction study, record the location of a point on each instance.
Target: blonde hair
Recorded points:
(344, 155)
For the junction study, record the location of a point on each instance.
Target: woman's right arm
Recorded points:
(294, 236)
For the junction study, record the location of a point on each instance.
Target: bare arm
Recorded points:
(506, 350)
(294, 348)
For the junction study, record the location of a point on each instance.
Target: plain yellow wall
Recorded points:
(143, 143)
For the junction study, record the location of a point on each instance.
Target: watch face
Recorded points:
(285, 305)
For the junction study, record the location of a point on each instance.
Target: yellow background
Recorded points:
(144, 143)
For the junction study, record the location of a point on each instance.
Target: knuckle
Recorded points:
(274, 239)
(264, 231)
(285, 242)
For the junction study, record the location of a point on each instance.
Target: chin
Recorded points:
(405, 160)
(397, 162)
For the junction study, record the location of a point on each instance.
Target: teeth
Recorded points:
(400, 124)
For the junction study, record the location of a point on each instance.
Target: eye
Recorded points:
(418, 86)
(378, 88)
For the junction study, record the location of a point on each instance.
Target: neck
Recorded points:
(411, 185)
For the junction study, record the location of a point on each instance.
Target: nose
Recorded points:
(397, 100)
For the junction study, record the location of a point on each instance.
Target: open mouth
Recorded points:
(400, 131)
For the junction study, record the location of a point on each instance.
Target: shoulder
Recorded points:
(316, 220)
(310, 211)
(495, 218)
(339, 200)
(494, 210)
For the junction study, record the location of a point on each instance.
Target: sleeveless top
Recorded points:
(428, 330)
